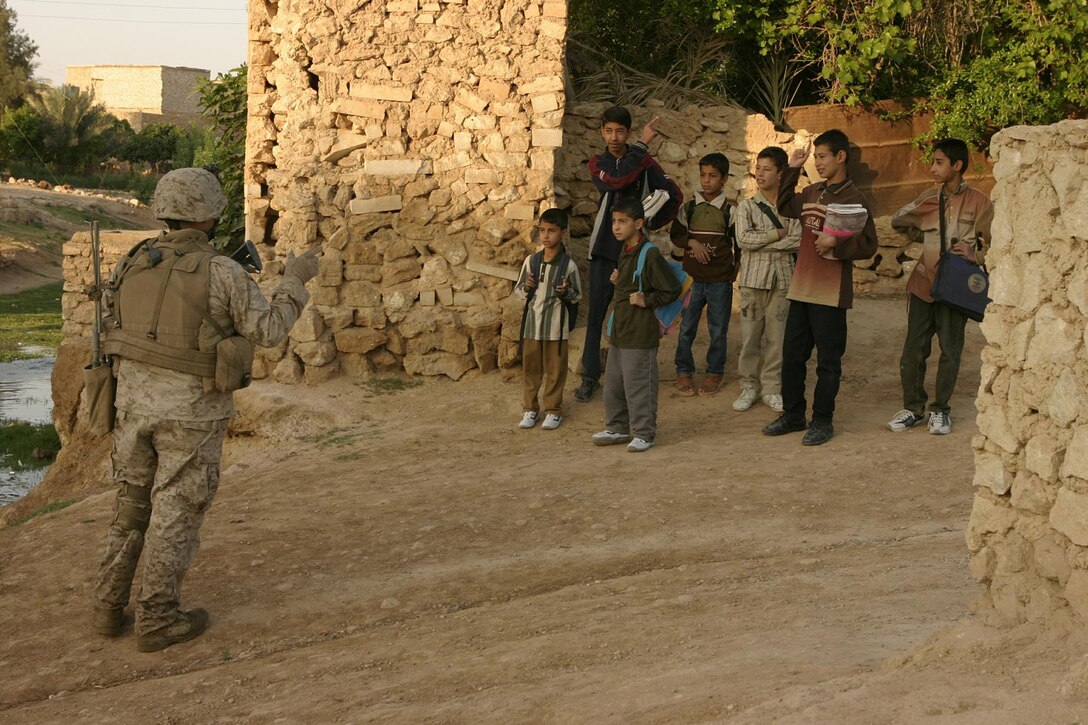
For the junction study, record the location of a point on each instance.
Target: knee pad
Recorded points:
(134, 508)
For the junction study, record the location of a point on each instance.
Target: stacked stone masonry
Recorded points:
(1028, 533)
(416, 142)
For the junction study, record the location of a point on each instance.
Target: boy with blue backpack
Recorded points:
(643, 282)
(704, 230)
(551, 288)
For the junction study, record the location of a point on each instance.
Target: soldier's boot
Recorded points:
(187, 626)
(109, 622)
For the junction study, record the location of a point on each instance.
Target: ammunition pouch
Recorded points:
(233, 363)
(99, 388)
(134, 507)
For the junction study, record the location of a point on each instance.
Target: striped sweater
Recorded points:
(816, 279)
(546, 319)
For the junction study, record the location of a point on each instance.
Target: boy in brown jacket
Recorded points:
(822, 288)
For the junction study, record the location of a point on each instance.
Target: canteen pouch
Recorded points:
(99, 387)
(233, 364)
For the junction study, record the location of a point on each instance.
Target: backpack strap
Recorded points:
(766, 209)
(641, 263)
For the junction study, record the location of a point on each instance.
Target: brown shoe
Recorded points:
(109, 622)
(187, 626)
(711, 384)
(684, 386)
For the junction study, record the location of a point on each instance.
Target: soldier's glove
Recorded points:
(304, 267)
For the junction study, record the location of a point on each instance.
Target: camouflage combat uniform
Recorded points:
(167, 446)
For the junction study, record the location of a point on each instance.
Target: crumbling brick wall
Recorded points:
(414, 141)
(1028, 533)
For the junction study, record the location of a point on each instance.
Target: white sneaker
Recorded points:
(746, 400)
(608, 438)
(904, 420)
(638, 445)
(773, 401)
(940, 424)
(551, 421)
(528, 420)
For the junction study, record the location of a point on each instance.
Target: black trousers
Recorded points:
(600, 297)
(810, 325)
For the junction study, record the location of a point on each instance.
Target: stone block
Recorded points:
(994, 424)
(991, 473)
(1067, 399)
(1031, 493)
(545, 103)
(318, 375)
(1051, 560)
(372, 317)
(480, 123)
(344, 146)
(522, 212)
(317, 353)
(309, 326)
(358, 108)
(400, 270)
(542, 84)
(359, 339)
(554, 10)
(550, 29)
(482, 176)
(452, 365)
(445, 295)
(471, 101)
(361, 294)
(1076, 456)
(1069, 515)
(452, 249)
(288, 371)
(380, 93)
(495, 89)
(1042, 456)
(467, 299)
(428, 298)
(1076, 592)
(325, 296)
(982, 565)
(988, 516)
(379, 204)
(548, 137)
(397, 167)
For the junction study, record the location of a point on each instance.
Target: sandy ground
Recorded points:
(412, 557)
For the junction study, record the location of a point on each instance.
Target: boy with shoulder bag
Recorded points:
(967, 215)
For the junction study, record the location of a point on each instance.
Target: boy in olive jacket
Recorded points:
(630, 379)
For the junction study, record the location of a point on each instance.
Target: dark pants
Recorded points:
(600, 297)
(923, 320)
(717, 297)
(823, 327)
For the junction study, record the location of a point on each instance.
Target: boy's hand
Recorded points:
(561, 289)
(530, 281)
(782, 233)
(700, 251)
(638, 299)
(965, 250)
(649, 133)
(614, 277)
(825, 243)
(799, 157)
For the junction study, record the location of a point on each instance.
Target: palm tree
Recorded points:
(72, 124)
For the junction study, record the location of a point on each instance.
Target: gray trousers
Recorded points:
(630, 392)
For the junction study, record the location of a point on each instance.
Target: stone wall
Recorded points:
(1028, 533)
(142, 94)
(415, 141)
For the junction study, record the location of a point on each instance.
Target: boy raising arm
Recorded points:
(968, 214)
(616, 172)
(822, 288)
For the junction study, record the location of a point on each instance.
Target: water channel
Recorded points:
(25, 395)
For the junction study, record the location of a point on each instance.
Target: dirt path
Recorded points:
(417, 559)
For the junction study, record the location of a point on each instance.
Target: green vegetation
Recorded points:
(17, 53)
(47, 509)
(224, 103)
(18, 439)
(30, 318)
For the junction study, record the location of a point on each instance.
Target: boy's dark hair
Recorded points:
(955, 150)
(631, 206)
(835, 140)
(558, 217)
(718, 161)
(617, 114)
(776, 156)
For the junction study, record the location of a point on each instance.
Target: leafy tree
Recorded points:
(21, 134)
(155, 144)
(17, 53)
(75, 129)
(224, 102)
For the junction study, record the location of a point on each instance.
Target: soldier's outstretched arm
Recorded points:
(263, 322)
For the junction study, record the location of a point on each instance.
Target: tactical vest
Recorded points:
(159, 313)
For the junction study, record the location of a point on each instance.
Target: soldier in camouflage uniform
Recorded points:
(179, 313)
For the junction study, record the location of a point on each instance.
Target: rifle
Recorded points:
(98, 379)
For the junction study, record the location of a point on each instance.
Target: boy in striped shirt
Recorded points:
(551, 288)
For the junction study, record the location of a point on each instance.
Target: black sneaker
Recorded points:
(783, 425)
(818, 434)
(585, 391)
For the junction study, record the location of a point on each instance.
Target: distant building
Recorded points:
(143, 94)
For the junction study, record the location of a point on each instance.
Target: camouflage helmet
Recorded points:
(189, 195)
